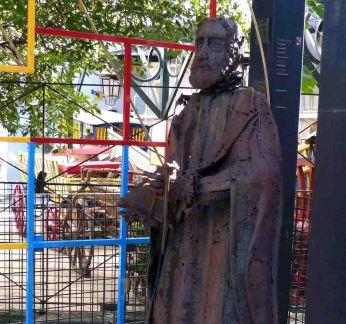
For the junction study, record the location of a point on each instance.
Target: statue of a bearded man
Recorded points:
(214, 239)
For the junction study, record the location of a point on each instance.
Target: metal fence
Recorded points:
(66, 255)
(300, 239)
(12, 261)
(61, 254)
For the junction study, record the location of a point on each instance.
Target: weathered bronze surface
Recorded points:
(215, 242)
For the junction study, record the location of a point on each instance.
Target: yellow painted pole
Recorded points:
(13, 246)
(15, 69)
(31, 36)
(14, 139)
(30, 68)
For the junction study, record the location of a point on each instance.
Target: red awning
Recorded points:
(84, 151)
(72, 168)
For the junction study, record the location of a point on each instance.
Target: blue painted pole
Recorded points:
(95, 242)
(122, 245)
(30, 263)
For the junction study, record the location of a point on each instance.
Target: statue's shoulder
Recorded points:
(182, 103)
(248, 92)
(248, 100)
(180, 116)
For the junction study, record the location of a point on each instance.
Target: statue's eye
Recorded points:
(199, 41)
(216, 43)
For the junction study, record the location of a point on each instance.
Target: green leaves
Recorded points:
(63, 59)
(309, 83)
(317, 7)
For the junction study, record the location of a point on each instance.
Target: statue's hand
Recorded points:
(184, 190)
(133, 212)
(156, 182)
(144, 203)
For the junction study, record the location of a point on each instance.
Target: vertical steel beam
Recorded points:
(285, 80)
(264, 11)
(164, 83)
(282, 24)
(30, 263)
(326, 298)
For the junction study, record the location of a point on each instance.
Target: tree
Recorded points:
(310, 77)
(62, 59)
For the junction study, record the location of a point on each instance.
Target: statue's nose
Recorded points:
(202, 53)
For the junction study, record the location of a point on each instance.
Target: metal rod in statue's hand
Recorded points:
(165, 212)
(165, 169)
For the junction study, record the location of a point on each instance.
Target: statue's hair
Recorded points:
(234, 48)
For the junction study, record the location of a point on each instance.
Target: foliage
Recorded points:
(63, 60)
(316, 6)
(310, 82)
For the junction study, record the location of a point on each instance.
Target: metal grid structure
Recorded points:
(53, 246)
(12, 204)
(71, 284)
(116, 263)
(12, 285)
(300, 239)
(79, 232)
(12, 256)
(74, 295)
(57, 204)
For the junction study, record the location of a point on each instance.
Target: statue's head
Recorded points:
(218, 54)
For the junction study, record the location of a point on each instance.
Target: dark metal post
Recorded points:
(164, 83)
(281, 25)
(326, 298)
(264, 14)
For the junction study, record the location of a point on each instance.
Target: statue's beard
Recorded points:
(206, 77)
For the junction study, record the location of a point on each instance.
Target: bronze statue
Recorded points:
(215, 223)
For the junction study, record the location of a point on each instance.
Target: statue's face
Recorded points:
(212, 57)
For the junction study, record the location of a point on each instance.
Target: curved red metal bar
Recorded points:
(127, 41)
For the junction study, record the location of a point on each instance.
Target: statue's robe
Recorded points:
(220, 260)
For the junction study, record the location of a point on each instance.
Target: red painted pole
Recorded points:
(127, 92)
(110, 38)
(212, 8)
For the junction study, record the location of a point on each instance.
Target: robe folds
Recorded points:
(220, 259)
